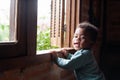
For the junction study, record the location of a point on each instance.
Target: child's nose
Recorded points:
(78, 38)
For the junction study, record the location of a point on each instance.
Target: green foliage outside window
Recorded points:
(43, 40)
(4, 32)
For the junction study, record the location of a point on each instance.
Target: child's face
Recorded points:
(81, 39)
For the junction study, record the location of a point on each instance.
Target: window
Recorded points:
(65, 15)
(16, 44)
(43, 25)
(61, 21)
(20, 53)
(8, 20)
(51, 32)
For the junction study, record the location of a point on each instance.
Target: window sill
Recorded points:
(27, 61)
(49, 51)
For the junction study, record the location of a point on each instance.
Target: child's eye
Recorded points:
(82, 37)
(75, 36)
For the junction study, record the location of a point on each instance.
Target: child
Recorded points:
(82, 61)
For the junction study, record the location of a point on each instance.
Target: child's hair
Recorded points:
(91, 29)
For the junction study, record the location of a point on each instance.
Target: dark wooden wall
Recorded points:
(110, 57)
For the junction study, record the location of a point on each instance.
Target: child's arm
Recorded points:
(63, 52)
(77, 60)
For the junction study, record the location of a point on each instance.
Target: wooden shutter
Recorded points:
(84, 10)
(57, 21)
(90, 11)
(72, 19)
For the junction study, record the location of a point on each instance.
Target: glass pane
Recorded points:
(43, 25)
(7, 20)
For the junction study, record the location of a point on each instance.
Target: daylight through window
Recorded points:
(8, 20)
(43, 24)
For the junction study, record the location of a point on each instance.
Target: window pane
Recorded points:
(7, 20)
(43, 24)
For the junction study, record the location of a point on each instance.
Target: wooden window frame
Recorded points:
(24, 48)
(17, 48)
(13, 22)
(72, 19)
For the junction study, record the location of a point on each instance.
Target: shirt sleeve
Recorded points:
(69, 56)
(77, 60)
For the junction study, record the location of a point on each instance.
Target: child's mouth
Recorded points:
(76, 44)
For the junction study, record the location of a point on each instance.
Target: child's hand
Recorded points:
(54, 55)
(64, 52)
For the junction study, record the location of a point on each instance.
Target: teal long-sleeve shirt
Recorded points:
(83, 63)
